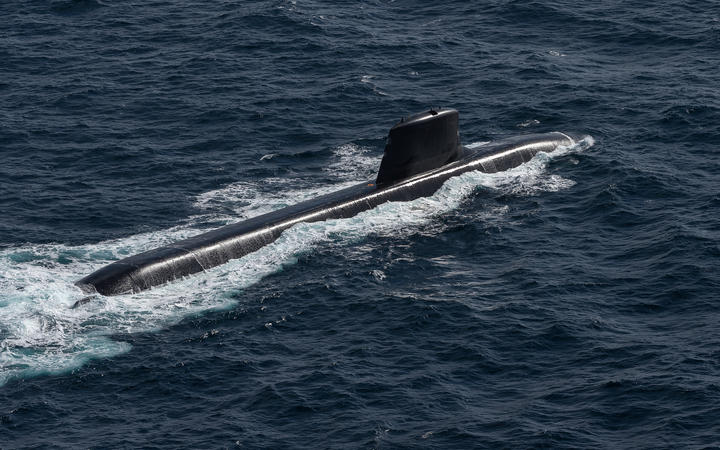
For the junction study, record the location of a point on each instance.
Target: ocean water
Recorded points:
(572, 302)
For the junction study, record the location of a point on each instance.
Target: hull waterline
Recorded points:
(207, 250)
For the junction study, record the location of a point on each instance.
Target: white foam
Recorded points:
(528, 123)
(473, 145)
(368, 79)
(245, 199)
(40, 334)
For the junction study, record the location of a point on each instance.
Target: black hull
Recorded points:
(199, 253)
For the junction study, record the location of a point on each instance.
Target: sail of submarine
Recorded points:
(422, 152)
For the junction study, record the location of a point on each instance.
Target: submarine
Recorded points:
(421, 153)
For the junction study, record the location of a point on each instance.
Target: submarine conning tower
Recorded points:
(419, 143)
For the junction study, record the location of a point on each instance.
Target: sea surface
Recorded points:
(572, 302)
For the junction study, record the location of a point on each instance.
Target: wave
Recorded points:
(40, 334)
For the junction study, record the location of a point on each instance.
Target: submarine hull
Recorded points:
(207, 250)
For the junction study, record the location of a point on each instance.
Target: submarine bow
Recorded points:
(422, 152)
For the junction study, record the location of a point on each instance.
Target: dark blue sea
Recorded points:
(572, 302)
